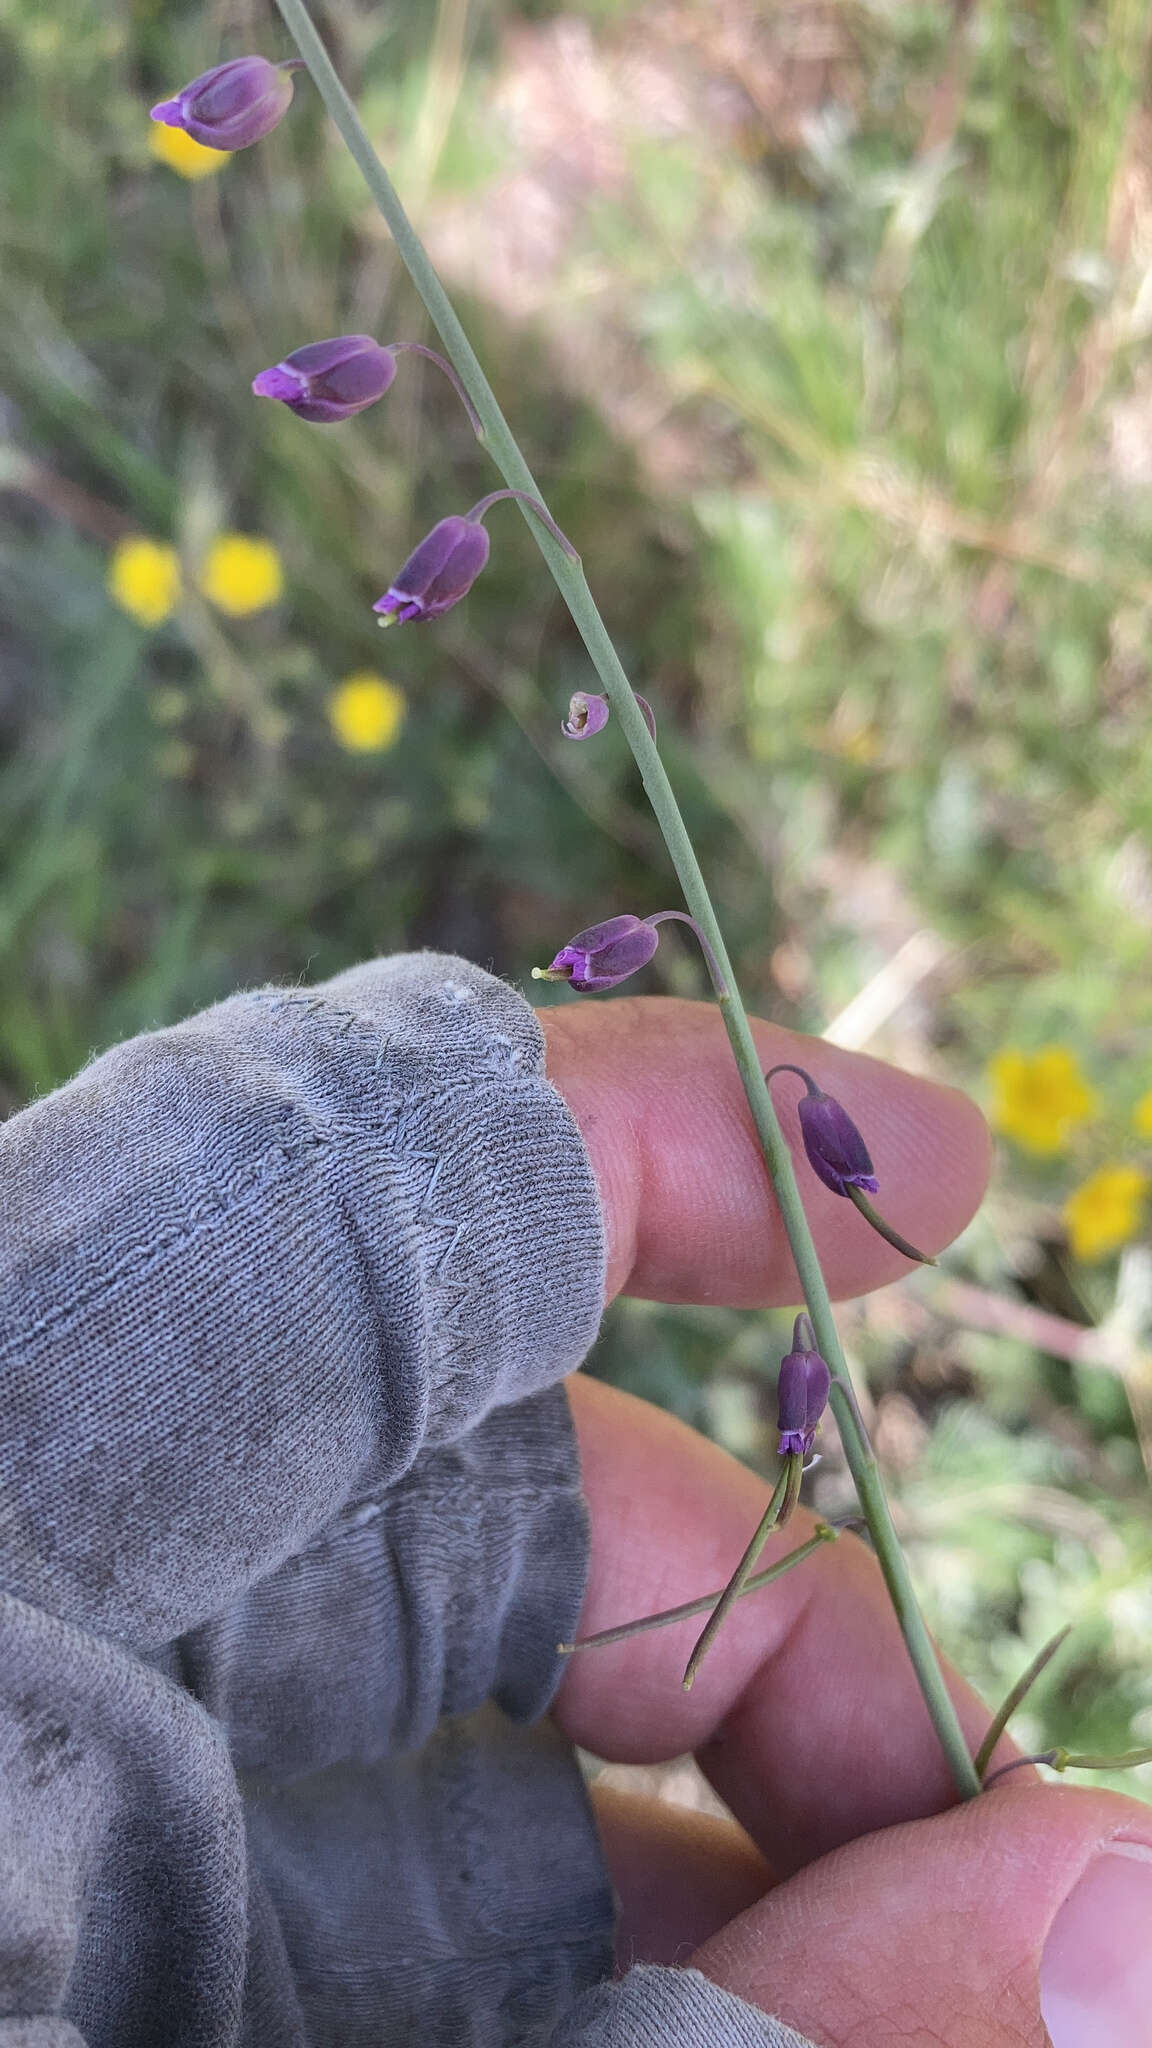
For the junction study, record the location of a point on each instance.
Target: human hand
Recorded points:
(849, 1902)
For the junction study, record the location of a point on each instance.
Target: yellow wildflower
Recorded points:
(183, 154)
(1142, 1115)
(144, 579)
(241, 575)
(1041, 1097)
(366, 712)
(1106, 1211)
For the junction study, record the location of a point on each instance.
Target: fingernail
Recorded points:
(1096, 1969)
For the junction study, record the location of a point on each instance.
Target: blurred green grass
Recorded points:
(825, 328)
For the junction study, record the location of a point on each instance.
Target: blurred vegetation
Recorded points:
(825, 327)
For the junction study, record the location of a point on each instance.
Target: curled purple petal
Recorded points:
(587, 715)
(279, 382)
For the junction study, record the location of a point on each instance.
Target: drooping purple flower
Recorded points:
(801, 1392)
(437, 574)
(608, 953)
(232, 105)
(448, 560)
(330, 380)
(838, 1156)
(604, 955)
(835, 1149)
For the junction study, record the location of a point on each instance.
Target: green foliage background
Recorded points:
(834, 361)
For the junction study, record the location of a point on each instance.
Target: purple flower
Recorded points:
(330, 380)
(588, 715)
(603, 955)
(801, 1392)
(437, 574)
(448, 560)
(836, 1151)
(839, 1157)
(333, 380)
(608, 953)
(232, 105)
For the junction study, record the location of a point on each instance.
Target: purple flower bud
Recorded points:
(839, 1157)
(330, 380)
(437, 574)
(801, 1392)
(836, 1151)
(603, 955)
(234, 104)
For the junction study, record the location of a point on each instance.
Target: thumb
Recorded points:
(1029, 1908)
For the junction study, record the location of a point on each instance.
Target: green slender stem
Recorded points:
(884, 1229)
(710, 960)
(825, 1533)
(572, 584)
(1061, 1759)
(1020, 1690)
(784, 1497)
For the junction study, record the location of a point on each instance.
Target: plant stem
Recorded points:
(710, 960)
(572, 584)
(1020, 1690)
(784, 1498)
(624, 1630)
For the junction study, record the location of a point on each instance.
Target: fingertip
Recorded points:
(939, 1930)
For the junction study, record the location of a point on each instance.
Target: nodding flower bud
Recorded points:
(608, 953)
(232, 105)
(448, 560)
(437, 574)
(801, 1391)
(330, 380)
(603, 955)
(334, 380)
(839, 1157)
(836, 1151)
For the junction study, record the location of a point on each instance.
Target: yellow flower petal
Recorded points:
(1106, 1211)
(366, 712)
(1142, 1115)
(241, 575)
(144, 579)
(183, 154)
(1040, 1097)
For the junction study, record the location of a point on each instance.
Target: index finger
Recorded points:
(688, 1206)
